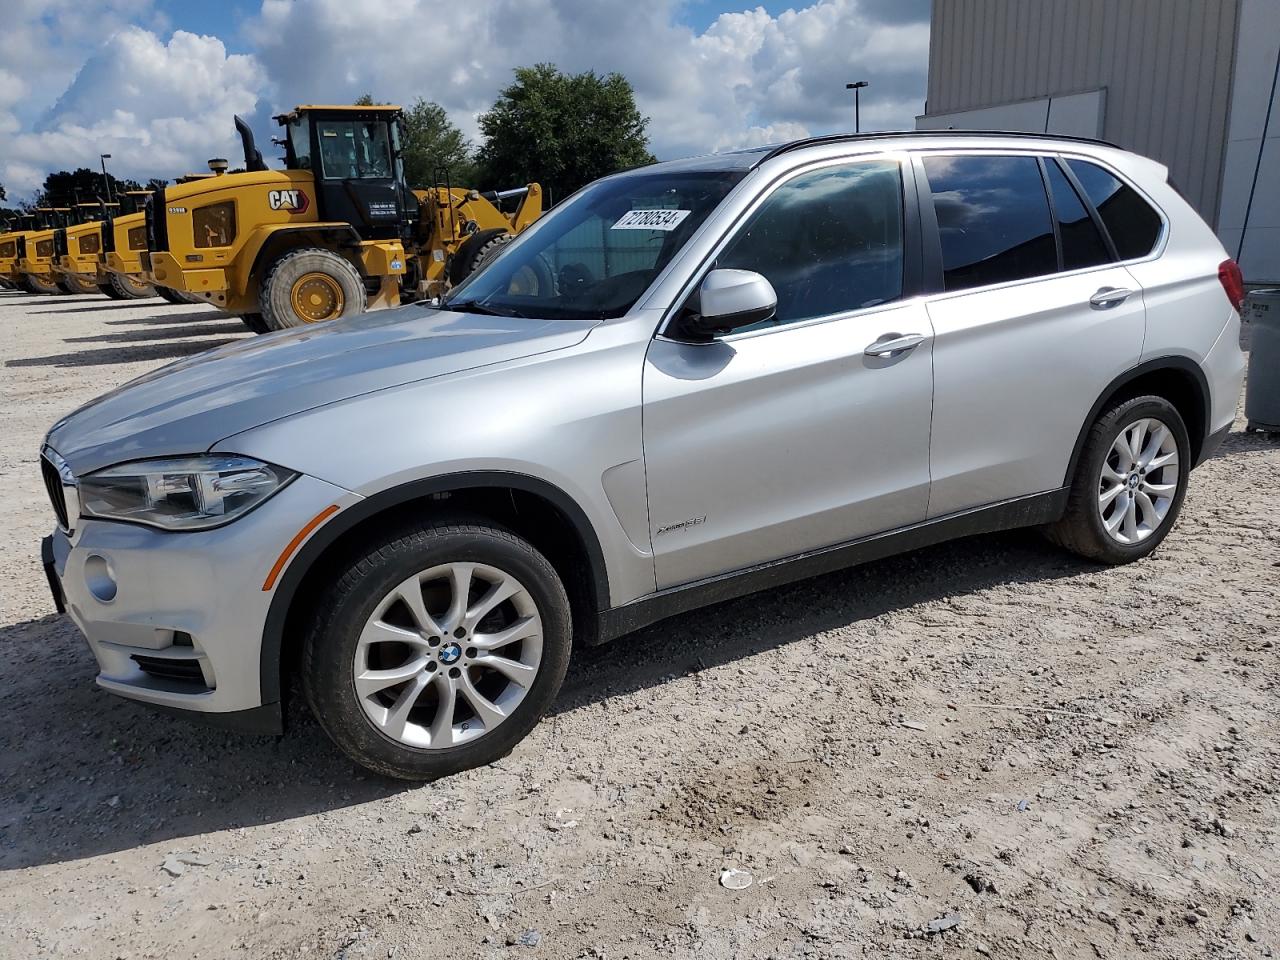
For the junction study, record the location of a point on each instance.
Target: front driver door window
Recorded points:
(788, 437)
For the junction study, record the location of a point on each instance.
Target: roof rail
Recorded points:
(898, 134)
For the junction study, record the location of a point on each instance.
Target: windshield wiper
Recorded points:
(475, 306)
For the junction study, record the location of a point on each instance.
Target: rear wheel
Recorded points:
(78, 286)
(1129, 484)
(310, 285)
(107, 290)
(126, 288)
(255, 322)
(33, 284)
(437, 649)
(169, 294)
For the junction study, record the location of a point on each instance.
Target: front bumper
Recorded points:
(176, 619)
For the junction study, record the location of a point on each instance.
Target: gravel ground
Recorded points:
(987, 748)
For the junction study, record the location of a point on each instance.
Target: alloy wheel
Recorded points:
(448, 655)
(1139, 481)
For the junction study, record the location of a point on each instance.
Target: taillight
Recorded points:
(1232, 281)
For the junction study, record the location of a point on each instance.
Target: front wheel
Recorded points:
(1129, 484)
(437, 649)
(310, 285)
(255, 322)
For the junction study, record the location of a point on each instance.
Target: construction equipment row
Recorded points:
(336, 232)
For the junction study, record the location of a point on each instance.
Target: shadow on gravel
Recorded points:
(88, 774)
(163, 333)
(749, 625)
(1238, 442)
(199, 316)
(123, 354)
(109, 305)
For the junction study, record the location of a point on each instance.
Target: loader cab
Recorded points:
(353, 152)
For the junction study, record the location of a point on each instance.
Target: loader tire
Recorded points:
(64, 286)
(310, 285)
(107, 290)
(126, 288)
(77, 286)
(255, 322)
(32, 284)
(475, 252)
(169, 294)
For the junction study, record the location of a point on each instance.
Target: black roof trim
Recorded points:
(900, 134)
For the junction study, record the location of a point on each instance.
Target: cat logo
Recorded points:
(291, 201)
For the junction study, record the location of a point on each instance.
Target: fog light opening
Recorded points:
(99, 578)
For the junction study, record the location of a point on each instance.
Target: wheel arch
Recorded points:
(274, 241)
(1177, 378)
(528, 505)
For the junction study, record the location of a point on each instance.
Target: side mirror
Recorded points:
(729, 300)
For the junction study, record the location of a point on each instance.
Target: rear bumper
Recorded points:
(167, 271)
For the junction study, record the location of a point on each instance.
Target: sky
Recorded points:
(155, 83)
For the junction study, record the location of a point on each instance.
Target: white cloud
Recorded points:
(748, 72)
(77, 80)
(158, 108)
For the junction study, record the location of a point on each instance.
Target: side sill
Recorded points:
(1026, 511)
(266, 720)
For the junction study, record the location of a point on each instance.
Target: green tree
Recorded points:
(433, 145)
(67, 187)
(561, 130)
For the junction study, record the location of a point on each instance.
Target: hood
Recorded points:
(188, 406)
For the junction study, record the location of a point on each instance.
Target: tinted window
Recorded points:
(354, 149)
(592, 256)
(829, 241)
(993, 216)
(1133, 225)
(1082, 244)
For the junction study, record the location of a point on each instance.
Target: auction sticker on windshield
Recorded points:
(650, 219)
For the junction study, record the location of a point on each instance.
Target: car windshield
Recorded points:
(596, 254)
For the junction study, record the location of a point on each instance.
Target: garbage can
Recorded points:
(1262, 393)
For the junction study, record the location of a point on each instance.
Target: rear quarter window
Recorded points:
(1132, 222)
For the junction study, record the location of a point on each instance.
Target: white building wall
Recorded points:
(1249, 218)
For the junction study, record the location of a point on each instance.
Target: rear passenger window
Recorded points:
(1133, 225)
(993, 216)
(829, 241)
(1082, 244)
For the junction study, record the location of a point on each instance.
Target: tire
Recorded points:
(33, 285)
(369, 584)
(80, 287)
(107, 290)
(129, 289)
(1100, 494)
(319, 279)
(255, 322)
(64, 286)
(477, 250)
(169, 294)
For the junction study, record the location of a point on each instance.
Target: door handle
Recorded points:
(894, 344)
(1108, 297)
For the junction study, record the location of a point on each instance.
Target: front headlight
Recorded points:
(186, 493)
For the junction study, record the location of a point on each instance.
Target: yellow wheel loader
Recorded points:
(124, 237)
(35, 260)
(78, 256)
(13, 243)
(336, 232)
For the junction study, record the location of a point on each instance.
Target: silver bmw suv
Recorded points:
(687, 382)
